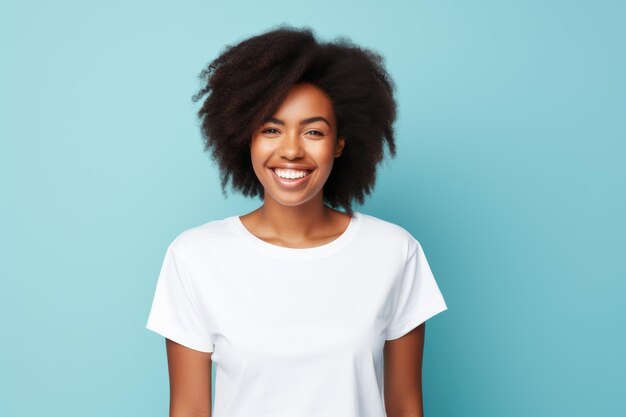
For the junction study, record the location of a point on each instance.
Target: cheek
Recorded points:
(324, 154)
(258, 152)
(255, 156)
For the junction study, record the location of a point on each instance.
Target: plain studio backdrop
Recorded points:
(510, 171)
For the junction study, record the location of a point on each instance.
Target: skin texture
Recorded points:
(297, 218)
(190, 381)
(403, 374)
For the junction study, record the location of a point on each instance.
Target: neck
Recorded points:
(294, 223)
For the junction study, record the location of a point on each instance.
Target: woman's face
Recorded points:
(293, 151)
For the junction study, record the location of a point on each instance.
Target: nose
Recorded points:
(291, 146)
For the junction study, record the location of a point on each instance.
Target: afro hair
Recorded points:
(248, 81)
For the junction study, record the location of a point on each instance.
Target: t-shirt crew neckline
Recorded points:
(284, 252)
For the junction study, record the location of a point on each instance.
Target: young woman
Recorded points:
(296, 303)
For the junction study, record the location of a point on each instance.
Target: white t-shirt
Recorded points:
(294, 331)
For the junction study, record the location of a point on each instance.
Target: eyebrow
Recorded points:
(302, 122)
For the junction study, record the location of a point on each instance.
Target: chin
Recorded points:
(291, 202)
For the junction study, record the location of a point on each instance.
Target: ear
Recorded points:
(341, 143)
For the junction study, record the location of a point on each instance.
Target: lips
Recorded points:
(290, 183)
(291, 173)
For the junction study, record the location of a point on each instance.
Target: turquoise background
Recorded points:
(510, 172)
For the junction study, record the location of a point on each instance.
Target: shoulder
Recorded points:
(388, 234)
(202, 238)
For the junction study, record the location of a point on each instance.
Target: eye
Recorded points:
(317, 132)
(268, 131)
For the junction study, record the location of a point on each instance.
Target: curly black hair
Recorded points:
(249, 80)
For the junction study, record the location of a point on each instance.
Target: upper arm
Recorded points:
(190, 381)
(403, 373)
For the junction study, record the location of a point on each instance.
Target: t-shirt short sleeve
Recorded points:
(174, 313)
(419, 297)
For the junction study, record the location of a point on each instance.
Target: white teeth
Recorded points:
(290, 173)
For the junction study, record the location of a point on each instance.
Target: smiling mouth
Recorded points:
(294, 178)
(291, 174)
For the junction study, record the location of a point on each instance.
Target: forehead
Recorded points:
(305, 100)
